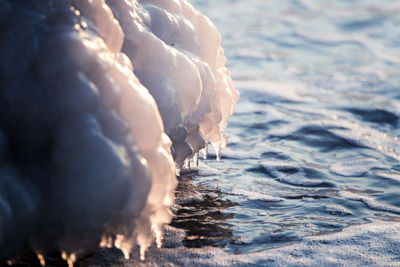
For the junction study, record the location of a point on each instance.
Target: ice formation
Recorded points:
(100, 102)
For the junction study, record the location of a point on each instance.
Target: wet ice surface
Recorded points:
(313, 146)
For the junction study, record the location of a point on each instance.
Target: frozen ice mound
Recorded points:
(100, 101)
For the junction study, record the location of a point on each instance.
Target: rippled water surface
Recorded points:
(314, 142)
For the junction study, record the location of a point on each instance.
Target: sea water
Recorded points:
(314, 143)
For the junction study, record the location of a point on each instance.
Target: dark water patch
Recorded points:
(319, 137)
(300, 5)
(313, 173)
(289, 170)
(203, 216)
(290, 174)
(275, 155)
(379, 116)
(265, 240)
(260, 204)
(314, 40)
(328, 226)
(281, 42)
(260, 97)
(260, 169)
(308, 183)
(205, 230)
(267, 125)
(210, 201)
(361, 24)
(276, 239)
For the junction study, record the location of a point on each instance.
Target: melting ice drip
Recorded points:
(85, 157)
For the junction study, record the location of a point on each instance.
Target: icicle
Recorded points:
(205, 151)
(217, 148)
(119, 244)
(142, 253)
(178, 172)
(187, 163)
(106, 241)
(158, 236)
(103, 241)
(41, 259)
(125, 252)
(70, 259)
(224, 140)
(196, 159)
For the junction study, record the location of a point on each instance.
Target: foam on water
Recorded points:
(370, 202)
(389, 175)
(367, 136)
(356, 167)
(252, 195)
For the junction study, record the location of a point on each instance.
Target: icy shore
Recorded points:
(373, 244)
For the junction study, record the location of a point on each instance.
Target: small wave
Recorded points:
(270, 92)
(256, 152)
(375, 115)
(356, 167)
(268, 124)
(334, 209)
(267, 98)
(367, 137)
(290, 174)
(321, 137)
(389, 175)
(275, 155)
(251, 195)
(361, 24)
(370, 202)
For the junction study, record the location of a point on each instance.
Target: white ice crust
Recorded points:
(167, 51)
(159, 71)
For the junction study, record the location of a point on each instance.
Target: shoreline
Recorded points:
(373, 244)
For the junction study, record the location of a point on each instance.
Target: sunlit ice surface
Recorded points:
(101, 104)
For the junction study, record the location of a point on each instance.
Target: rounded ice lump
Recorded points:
(92, 94)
